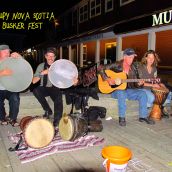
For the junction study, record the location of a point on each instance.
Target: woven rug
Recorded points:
(56, 146)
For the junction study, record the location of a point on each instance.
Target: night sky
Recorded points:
(23, 22)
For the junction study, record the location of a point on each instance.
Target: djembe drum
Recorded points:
(160, 96)
(37, 132)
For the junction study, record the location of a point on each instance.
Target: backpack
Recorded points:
(94, 112)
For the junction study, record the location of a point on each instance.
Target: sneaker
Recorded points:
(122, 121)
(147, 120)
(4, 122)
(165, 113)
(14, 123)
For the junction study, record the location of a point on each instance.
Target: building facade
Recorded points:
(98, 30)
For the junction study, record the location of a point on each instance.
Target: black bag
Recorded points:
(94, 112)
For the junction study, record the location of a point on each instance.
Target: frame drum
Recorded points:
(38, 132)
(21, 77)
(72, 127)
(62, 73)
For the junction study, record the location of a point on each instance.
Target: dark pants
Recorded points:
(14, 102)
(41, 92)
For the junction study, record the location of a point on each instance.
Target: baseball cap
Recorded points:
(129, 52)
(4, 47)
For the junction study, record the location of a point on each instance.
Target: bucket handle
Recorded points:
(104, 162)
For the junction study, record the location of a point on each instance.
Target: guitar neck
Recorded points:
(135, 80)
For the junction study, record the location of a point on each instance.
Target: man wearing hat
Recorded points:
(132, 92)
(12, 97)
(47, 89)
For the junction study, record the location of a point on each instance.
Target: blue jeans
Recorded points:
(168, 99)
(150, 97)
(131, 94)
(14, 102)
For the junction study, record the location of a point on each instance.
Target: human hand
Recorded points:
(15, 55)
(156, 86)
(141, 82)
(44, 72)
(6, 72)
(111, 81)
(75, 81)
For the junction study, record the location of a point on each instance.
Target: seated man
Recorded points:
(12, 97)
(131, 92)
(47, 89)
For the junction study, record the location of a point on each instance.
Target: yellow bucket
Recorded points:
(116, 158)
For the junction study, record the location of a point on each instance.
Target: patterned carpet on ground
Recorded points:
(56, 146)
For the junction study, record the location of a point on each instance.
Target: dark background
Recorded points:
(19, 39)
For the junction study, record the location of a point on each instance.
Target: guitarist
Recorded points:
(132, 92)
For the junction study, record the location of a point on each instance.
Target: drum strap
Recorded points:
(16, 148)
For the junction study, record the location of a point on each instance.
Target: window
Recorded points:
(124, 2)
(108, 5)
(95, 8)
(110, 51)
(74, 18)
(83, 13)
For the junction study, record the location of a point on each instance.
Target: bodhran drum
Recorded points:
(21, 77)
(72, 127)
(37, 132)
(62, 73)
(160, 96)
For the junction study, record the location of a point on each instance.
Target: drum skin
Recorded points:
(62, 73)
(38, 132)
(21, 77)
(72, 127)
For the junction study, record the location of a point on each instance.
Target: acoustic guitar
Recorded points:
(120, 81)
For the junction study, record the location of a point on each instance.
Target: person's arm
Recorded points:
(35, 80)
(148, 84)
(113, 66)
(37, 75)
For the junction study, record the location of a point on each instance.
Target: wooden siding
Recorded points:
(139, 43)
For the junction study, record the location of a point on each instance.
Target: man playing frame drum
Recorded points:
(44, 73)
(10, 70)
